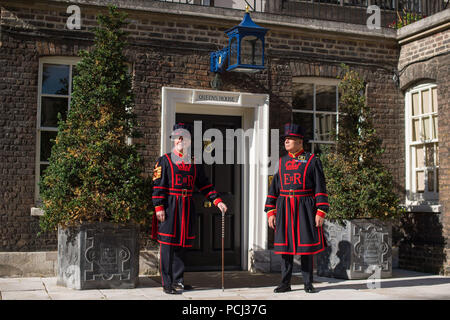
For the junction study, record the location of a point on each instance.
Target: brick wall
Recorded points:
(172, 50)
(444, 149)
(424, 48)
(423, 238)
(19, 58)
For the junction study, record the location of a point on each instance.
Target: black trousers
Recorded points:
(287, 264)
(171, 264)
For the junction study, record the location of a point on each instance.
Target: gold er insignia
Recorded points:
(157, 173)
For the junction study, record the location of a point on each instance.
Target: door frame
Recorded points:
(254, 110)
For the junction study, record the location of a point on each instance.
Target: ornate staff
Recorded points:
(223, 243)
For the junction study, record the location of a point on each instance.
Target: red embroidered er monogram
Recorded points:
(290, 178)
(181, 180)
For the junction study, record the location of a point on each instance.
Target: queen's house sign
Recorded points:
(217, 98)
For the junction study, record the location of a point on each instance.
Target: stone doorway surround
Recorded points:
(254, 109)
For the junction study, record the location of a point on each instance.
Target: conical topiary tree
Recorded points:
(94, 174)
(359, 186)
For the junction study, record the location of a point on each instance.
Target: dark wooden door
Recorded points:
(206, 253)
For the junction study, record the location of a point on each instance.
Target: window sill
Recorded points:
(37, 212)
(423, 207)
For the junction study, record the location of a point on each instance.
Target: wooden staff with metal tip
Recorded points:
(223, 244)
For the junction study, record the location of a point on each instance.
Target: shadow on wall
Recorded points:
(419, 236)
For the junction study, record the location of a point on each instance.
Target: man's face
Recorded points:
(293, 145)
(182, 143)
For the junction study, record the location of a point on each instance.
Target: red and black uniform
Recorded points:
(297, 194)
(174, 179)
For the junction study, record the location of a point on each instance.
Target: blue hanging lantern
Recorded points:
(245, 51)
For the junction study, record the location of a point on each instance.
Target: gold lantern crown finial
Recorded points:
(247, 8)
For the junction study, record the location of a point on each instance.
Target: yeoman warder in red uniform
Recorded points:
(296, 206)
(174, 178)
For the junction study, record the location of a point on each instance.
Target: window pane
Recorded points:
(308, 146)
(233, 52)
(303, 96)
(415, 130)
(306, 121)
(420, 162)
(251, 50)
(434, 99)
(435, 127)
(49, 109)
(75, 73)
(429, 155)
(324, 124)
(430, 180)
(55, 79)
(415, 104)
(437, 154)
(426, 101)
(420, 181)
(425, 158)
(42, 168)
(326, 98)
(426, 128)
(320, 147)
(46, 144)
(437, 180)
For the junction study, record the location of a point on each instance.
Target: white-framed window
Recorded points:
(422, 148)
(54, 93)
(315, 108)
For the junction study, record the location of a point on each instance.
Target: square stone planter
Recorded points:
(360, 249)
(100, 255)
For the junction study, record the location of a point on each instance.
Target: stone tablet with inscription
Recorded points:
(360, 249)
(98, 255)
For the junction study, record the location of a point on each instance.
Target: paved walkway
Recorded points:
(240, 285)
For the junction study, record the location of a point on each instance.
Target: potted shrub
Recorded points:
(361, 192)
(94, 191)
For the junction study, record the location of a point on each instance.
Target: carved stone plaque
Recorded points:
(371, 243)
(100, 255)
(356, 249)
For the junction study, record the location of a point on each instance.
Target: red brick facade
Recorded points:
(173, 50)
(424, 56)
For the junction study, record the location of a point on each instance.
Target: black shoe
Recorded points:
(181, 286)
(282, 288)
(309, 288)
(170, 290)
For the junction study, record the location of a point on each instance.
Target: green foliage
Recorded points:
(405, 18)
(358, 184)
(94, 174)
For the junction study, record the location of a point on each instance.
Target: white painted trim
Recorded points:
(71, 61)
(254, 109)
(412, 205)
(59, 60)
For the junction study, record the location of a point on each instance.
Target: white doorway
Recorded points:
(254, 110)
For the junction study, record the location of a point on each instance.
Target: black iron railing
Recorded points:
(394, 13)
